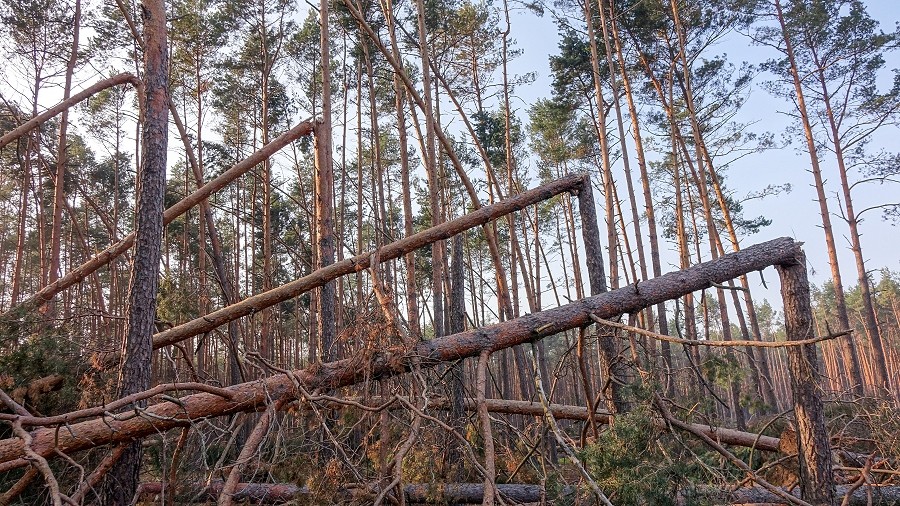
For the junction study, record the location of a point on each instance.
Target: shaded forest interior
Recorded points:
(411, 297)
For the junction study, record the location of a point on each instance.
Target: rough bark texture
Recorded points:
(593, 252)
(848, 346)
(457, 324)
(256, 493)
(816, 481)
(255, 395)
(325, 196)
(122, 481)
(427, 493)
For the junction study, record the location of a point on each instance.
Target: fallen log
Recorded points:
(566, 412)
(258, 493)
(30, 393)
(112, 252)
(469, 493)
(421, 493)
(859, 496)
(256, 395)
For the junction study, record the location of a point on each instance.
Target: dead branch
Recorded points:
(362, 261)
(98, 473)
(251, 447)
(41, 464)
(18, 487)
(699, 342)
(664, 411)
(27, 419)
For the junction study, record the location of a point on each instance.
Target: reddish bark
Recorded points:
(42, 118)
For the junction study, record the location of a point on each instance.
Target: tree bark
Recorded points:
(59, 196)
(124, 78)
(325, 195)
(121, 483)
(593, 253)
(109, 254)
(816, 480)
(881, 495)
(851, 357)
(870, 320)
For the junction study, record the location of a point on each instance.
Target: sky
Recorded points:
(794, 214)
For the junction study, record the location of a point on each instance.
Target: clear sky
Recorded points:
(793, 214)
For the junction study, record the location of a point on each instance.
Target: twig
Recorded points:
(863, 479)
(18, 486)
(250, 449)
(98, 472)
(41, 463)
(699, 342)
(173, 469)
(13, 405)
(462, 439)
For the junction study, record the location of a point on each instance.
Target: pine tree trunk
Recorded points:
(432, 169)
(816, 481)
(870, 321)
(122, 481)
(59, 196)
(851, 357)
(325, 195)
(600, 123)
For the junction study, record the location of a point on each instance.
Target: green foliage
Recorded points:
(635, 463)
(38, 356)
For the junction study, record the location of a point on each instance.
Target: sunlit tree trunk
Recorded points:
(851, 358)
(121, 484)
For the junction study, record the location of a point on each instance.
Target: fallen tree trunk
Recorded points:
(421, 493)
(362, 261)
(24, 128)
(258, 493)
(109, 254)
(469, 493)
(881, 495)
(253, 396)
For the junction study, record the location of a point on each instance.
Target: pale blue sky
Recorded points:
(795, 214)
